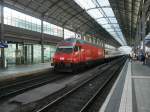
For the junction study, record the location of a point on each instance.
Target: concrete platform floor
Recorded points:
(131, 91)
(141, 86)
(22, 70)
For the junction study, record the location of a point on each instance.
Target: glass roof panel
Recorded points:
(118, 29)
(116, 26)
(102, 12)
(102, 21)
(113, 33)
(113, 20)
(110, 30)
(107, 26)
(108, 11)
(94, 13)
(104, 2)
(85, 4)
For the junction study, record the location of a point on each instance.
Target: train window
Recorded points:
(79, 47)
(82, 41)
(75, 48)
(78, 41)
(64, 50)
(70, 40)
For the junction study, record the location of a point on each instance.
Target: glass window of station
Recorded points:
(18, 19)
(21, 20)
(68, 34)
(28, 53)
(51, 29)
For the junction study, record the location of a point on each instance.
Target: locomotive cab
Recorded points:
(73, 54)
(66, 55)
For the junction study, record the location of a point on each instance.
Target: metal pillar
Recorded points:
(82, 36)
(23, 58)
(139, 32)
(137, 36)
(143, 26)
(3, 63)
(103, 44)
(42, 42)
(1, 21)
(17, 57)
(32, 54)
(75, 35)
(63, 33)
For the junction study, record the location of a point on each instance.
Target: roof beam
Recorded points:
(73, 16)
(97, 4)
(93, 22)
(105, 17)
(51, 6)
(98, 7)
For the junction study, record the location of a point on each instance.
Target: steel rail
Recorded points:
(61, 98)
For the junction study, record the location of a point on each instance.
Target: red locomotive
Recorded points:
(73, 53)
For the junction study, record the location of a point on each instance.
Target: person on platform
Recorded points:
(142, 57)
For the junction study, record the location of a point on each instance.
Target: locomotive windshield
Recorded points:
(64, 50)
(70, 40)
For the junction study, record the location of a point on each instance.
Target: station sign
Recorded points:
(3, 45)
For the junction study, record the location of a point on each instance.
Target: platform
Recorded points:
(23, 70)
(131, 91)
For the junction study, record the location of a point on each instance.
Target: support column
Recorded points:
(140, 32)
(103, 43)
(17, 55)
(82, 37)
(136, 36)
(1, 21)
(42, 42)
(3, 60)
(63, 33)
(32, 54)
(75, 35)
(143, 27)
(23, 58)
(100, 42)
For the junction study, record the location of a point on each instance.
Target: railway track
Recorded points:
(98, 98)
(79, 97)
(21, 86)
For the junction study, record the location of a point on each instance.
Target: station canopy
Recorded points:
(102, 12)
(88, 16)
(128, 13)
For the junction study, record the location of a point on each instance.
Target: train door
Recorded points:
(77, 50)
(80, 53)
